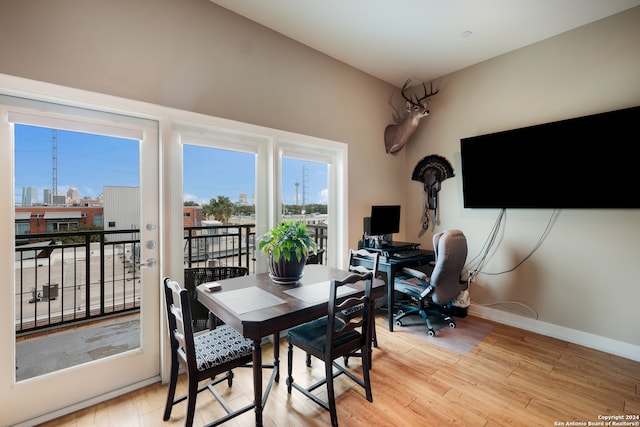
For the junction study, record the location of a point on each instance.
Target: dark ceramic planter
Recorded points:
(285, 272)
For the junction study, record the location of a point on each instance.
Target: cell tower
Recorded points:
(304, 185)
(54, 162)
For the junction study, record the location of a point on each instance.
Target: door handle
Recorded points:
(151, 262)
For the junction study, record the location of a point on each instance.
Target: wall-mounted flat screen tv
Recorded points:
(385, 220)
(585, 162)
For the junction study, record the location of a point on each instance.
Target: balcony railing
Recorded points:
(220, 245)
(70, 277)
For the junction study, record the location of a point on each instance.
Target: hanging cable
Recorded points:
(481, 258)
(486, 250)
(554, 217)
(521, 304)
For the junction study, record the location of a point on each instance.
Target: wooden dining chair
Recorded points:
(330, 338)
(354, 267)
(202, 357)
(347, 314)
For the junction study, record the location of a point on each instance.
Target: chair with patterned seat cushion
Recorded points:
(202, 357)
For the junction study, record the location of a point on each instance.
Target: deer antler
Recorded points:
(419, 101)
(409, 100)
(427, 95)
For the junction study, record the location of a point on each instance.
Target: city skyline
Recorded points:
(89, 162)
(86, 162)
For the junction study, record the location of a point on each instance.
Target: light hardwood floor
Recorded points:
(511, 378)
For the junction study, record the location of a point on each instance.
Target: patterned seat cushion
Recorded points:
(220, 345)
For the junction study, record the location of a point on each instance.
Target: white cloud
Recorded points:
(194, 198)
(323, 197)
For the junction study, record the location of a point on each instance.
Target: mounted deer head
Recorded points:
(397, 135)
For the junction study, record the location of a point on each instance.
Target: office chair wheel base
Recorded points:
(431, 333)
(398, 315)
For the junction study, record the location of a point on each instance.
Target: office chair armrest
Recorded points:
(426, 292)
(416, 273)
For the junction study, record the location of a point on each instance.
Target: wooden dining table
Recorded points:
(257, 307)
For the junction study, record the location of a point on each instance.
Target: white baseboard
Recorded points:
(596, 342)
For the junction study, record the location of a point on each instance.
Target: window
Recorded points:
(22, 228)
(313, 171)
(161, 219)
(60, 226)
(257, 174)
(218, 179)
(212, 173)
(305, 196)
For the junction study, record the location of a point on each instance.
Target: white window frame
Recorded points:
(173, 125)
(270, 146)
(41, 104)
(335, 155)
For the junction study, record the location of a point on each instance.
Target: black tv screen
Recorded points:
(385, 220)
(585, 162)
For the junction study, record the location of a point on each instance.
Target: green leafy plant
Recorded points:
(286, 240)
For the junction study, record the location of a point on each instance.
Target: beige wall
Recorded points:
(584, 276)
(193, 55)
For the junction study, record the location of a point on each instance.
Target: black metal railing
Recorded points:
(225, 245)
(319, 233)
(70, 277)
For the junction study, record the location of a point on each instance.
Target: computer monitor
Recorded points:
(385, 220)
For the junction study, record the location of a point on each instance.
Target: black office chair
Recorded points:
(329, 338)
(195, 276)
(202, 356)
(433, 296)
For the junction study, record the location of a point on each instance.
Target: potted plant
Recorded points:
(286, 247)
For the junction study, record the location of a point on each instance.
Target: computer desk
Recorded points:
(390, 264)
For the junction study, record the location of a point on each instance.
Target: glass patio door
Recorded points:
(85, 300)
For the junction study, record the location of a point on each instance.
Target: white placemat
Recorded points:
(318, 292)
(248, 299)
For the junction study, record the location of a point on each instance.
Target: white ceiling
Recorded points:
(421, 39)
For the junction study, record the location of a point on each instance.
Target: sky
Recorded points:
(232, 173)
(89, 162)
